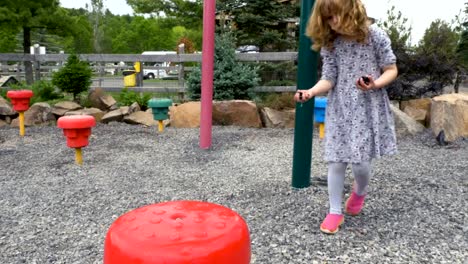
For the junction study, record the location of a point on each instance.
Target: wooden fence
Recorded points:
(45, 64)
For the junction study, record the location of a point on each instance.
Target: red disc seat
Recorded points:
(20, 99)
(178, 232)
(77, 129)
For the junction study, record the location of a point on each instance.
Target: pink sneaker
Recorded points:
(332, 223)
(354, 204)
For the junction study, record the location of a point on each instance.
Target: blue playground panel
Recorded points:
(319, 109)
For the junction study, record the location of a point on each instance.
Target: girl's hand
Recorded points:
(365, 83)
(302, 96)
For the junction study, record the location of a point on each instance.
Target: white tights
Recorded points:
(336, 178)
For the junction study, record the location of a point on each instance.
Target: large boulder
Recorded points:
(37, 114)
(99, 99)
(277, 119)
(96, 113)
(449, 113)
(241, 113)
(5, 108)
(419, 109)
(115, 116)
(61, 108)
(185, 115)
(140, 118)
(405, 125)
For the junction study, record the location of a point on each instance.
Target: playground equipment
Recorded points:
(160, 109)
(20, 101)
(77, 129)
(178, 232)
(319, 114)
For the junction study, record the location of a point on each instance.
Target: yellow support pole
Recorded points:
(322, 130)
(160, 126)
(78, 156)
(21, 123)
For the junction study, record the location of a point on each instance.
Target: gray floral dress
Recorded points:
(359, 124)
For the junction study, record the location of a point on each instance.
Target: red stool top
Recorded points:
(178, 232)
(20, 99)
(76, 121)
(20, 94)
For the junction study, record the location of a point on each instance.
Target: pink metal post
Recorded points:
(209, 7)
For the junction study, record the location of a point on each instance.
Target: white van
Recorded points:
(157, 73)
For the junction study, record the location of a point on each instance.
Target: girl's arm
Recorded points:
(321, 86)
(389, 74)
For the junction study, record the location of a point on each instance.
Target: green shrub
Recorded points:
(74, 77)
(127, 97)
(231, 80)
(44, 91)
(277, 101)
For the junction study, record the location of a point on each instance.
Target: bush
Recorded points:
(127, 97)
(44, 91)
(232, 79)
(74, 77)
(277, 101)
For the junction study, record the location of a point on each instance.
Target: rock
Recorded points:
(99, 99)
(96, 113)
(5, 108)
(417, 114)
(116, 115)
(37, 114)
(186, 115)
(61, 108)
(140, 117)
(449, 113)
(405, 125)
(278, 119)
(241, 113)
(3, 123)
(421, 104)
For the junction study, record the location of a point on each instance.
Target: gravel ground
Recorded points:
(53, 211)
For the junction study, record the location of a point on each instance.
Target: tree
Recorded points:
(74, 77)
(96, 20)
(232, 80)
(462, 50)
(189, 13)
(262, 22)
(436, 53)
(30, 14)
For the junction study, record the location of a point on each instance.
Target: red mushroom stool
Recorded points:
(77, 129)
(178, 232)
(20, 101)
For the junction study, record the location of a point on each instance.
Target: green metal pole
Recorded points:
(303, 129)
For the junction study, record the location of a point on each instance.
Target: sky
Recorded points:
(420, 13)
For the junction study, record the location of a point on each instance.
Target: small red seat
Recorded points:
(20, 99)
(178, 232)
(77, 129)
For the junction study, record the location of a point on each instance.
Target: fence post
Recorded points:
(181, 74)
(37, 68)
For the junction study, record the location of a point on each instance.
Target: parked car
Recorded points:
(154, 73)
(247, 49)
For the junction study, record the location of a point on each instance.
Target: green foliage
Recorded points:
(261, 23)
(423, 70)
(74, 77)
(128, 97)
(232, 79)
(277, 101)
(188, 12)
(44, 91)
(462, 48)
(277, 73)
(7, 40)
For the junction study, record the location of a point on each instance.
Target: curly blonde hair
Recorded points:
(352, 21)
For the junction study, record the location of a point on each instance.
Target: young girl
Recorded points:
(358, 63)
